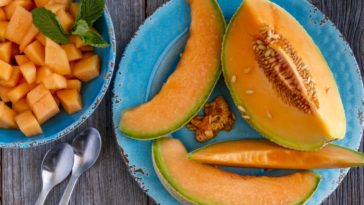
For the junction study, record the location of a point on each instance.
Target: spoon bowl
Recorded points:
(56, 166)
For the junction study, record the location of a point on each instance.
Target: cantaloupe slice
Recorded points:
(21, 106)
(10, 8)
(72, 52)
(194, 183)
(279, 79)
(3, 27)
(28, 124)
(6, 70)
(255, 153)
(87, 69)
(35, 53)
(188, 88)
(21, 59)
(29, 37)
(71, 100)
(65, 19)
(14, 78)
(19, 25)
(74, 84)
(42, 73)
(29, 72)
(56, 58)
(5, 51)
(55, 82)
(45, 108)
(19, 92)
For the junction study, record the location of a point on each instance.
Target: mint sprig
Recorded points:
(89, 12)
(48, 24)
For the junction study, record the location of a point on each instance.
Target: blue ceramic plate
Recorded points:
(92, 94)
(153, 53)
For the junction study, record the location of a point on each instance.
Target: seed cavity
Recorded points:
(241, 108)
(289, 76)
(233, 79)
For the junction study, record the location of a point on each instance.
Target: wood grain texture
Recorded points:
(109, 181)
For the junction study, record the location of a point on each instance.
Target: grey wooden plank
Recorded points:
(109, 181)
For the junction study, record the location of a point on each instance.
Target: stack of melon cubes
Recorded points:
(37, 74)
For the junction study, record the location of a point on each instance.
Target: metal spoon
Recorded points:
(87, 147)
(56, 166)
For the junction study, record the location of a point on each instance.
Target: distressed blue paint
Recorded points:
(92, 94)
(159, 35)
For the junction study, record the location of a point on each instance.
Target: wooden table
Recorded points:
(109, 181)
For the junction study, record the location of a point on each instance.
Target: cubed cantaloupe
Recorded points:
(5, 51)
(55, 7)
(29, 72)
(21, 59)
(19, 25)
(7, 116)
(56, 99)
(14, 78)
(4, 2)
(4, 94)
(3, 16)
(35, 52)
(71, 100)
(21, 106)
(77, 41)
(74, 84)
(3, 27)
(28, 124)
(42, 73)
(87, 68)
(36, 94)
(74, 7)
(6, 70)
(45, 108)
(10, 8)
(19, 92)
(55, 82)
(56, 58)
(41, 38)
(72, 52)
(41, 3)
(29, 37)
(65, 19)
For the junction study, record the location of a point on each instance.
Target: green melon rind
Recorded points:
(133, 134)
(269, 135)
(173, 188)
(358, 154)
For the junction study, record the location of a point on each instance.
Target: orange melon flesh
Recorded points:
(188, 88)
(196, 183)
(265, 154)
(19, 25)
(275, 119)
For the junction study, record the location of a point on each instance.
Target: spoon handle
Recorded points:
(43, 195)
(69, 189)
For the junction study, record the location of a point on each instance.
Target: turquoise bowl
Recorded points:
(153, 54)
(92, 94)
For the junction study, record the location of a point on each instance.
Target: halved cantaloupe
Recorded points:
(279, 79)
(56, 58)
(194, 183)
(19, 25)
(257, 153)
(188, 88)
(28, 124)
(7, 116)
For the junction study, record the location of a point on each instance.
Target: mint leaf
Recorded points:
(48, 24)
(80, 27)
(91, 10)
(93, 39)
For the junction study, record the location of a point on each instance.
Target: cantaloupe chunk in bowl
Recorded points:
(51, 100)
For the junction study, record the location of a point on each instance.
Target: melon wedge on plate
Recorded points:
(188, 88)
(194, 183)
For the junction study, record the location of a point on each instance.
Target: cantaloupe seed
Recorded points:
(247, 117)
(233, 79)
(247, 70)
(241, 108)
(269, 115)
(249, 92)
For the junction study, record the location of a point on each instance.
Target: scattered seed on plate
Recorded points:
(249, 92)
(233, 79)
(241, 108)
